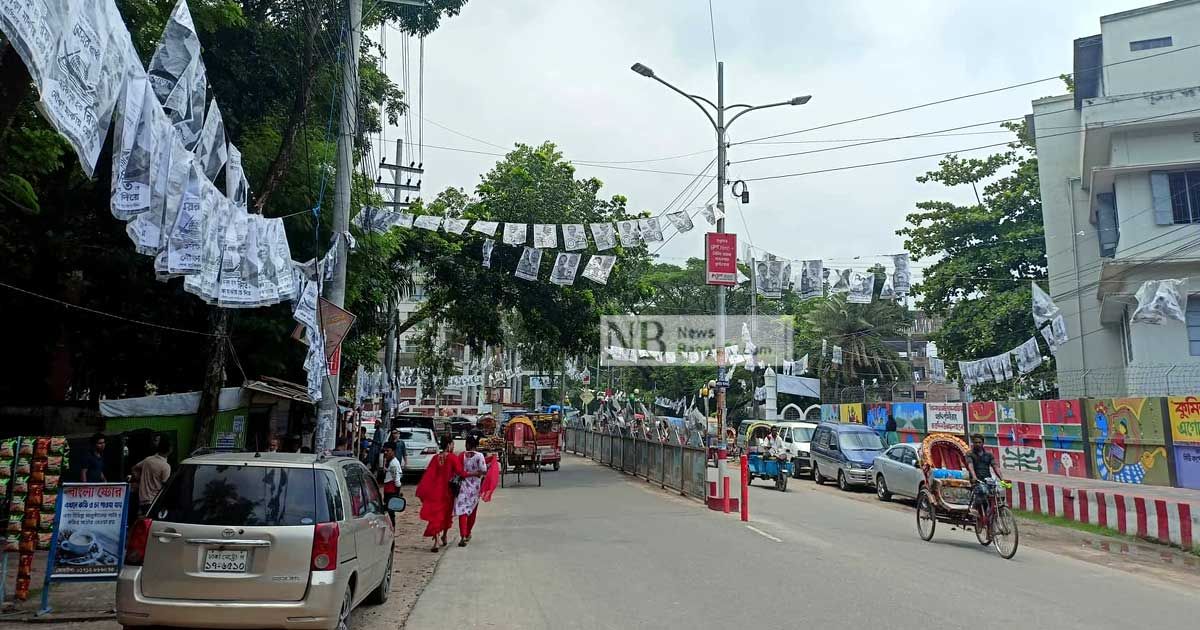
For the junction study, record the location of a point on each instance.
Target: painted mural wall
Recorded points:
(1034, 436)
(910, 421)
(852, 413)
(1126, 440)
(1184, 413)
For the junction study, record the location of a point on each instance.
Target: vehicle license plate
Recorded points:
(217, 561)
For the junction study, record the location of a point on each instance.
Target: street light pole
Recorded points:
(720, 126)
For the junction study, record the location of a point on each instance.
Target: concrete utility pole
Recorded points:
(335, 290)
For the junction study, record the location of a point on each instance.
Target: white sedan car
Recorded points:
(898, 472)
(421, 447)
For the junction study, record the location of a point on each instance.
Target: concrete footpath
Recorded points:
(594, 548)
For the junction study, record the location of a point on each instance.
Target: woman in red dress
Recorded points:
(437, 504)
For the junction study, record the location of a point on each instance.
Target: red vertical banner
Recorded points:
(335, 361)
(720, 259)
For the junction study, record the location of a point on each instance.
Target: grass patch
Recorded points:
(1095, 530)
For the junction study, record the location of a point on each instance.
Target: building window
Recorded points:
(1147, 44)
(1185, 196)
(1193, 324)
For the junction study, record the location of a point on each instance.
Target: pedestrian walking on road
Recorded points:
(889, 429)
(472, 467)
(151, 474)
(435, 491)
(392, 477)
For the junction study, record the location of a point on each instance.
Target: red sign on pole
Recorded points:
(335, 361)
(720, 259)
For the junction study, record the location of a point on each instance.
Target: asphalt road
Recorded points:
(596, 549)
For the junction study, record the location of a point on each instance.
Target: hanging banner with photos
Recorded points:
(681, 220)
(528, 266)
(650, 230)
(629, 232)
(811, 279)
(598, 268)
(565, 267)
(545, 235)
(516, 233)
(488, 246)
(604, 236)
(901, 278)
(486, 228)
(574, 237)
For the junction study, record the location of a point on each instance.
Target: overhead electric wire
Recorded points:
(94, 311)
(942, 153)
(965, 96)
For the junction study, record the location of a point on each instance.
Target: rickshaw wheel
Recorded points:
(926, 516)
(555, 465)
(1005, 535)
(781, 482)
(981, 533)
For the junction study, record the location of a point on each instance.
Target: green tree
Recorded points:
(984, 257)
(861, 331)
(490, 305)
(273, 69)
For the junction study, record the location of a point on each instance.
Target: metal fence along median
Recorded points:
(680, 468)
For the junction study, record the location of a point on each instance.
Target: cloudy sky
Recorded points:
(509, 71)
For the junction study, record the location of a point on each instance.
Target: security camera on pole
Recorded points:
(721, 127)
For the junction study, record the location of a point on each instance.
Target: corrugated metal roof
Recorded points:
(280, 388)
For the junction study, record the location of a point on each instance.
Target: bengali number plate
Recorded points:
(216, 561)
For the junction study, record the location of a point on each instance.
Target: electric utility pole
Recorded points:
(335, 289)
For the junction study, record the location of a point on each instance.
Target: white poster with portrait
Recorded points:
(565, 267)
(604, 236)
(529, 264)
(516, 233)
(574, 237)
(630, 234)
(650, 230)
(545, 235)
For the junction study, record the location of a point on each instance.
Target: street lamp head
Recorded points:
(801, 100)
(642, 70)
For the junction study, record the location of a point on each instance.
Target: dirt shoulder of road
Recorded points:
(413, 568)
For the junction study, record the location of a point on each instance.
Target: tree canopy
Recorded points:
(984, 256)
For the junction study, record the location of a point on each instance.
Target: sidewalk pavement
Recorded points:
(1167, 515)
(74, 601)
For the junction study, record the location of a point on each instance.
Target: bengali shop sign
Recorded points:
(89, 531)
(945, 418)
(1185, 418)
(720, 259)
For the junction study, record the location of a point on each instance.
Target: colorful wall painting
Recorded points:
(1187, 466)
(1185, 433)
(910, 417)
(852, 413)
(831, 413)
(1062, 437)
(877, 415)
(1127, 441)
(982, 418)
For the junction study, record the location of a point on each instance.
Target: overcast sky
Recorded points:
(508, 71)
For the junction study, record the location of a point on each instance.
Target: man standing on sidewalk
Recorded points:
(150, 475)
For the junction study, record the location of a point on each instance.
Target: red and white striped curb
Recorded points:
(1157, 519)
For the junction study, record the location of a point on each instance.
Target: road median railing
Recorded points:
(670, 466)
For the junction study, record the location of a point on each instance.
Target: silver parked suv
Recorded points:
(259, 540)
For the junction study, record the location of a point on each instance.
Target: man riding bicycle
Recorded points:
(980, 465)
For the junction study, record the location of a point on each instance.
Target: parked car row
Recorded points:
(852, 455)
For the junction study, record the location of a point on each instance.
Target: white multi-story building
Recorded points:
(1119, 163)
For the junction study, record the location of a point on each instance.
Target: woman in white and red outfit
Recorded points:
(471, 467)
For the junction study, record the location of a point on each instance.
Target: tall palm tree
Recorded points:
(860, 331)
